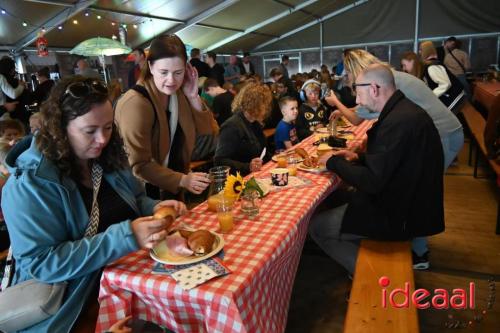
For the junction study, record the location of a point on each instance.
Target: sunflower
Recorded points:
(234, 186)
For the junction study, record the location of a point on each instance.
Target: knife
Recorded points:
(263, 153)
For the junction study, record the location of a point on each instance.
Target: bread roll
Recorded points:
(201, 242)
(167, 213)
(301, 152)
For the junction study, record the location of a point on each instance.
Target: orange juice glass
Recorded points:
(225, 214)
(214, 200)
(281, 160)
(226, 222)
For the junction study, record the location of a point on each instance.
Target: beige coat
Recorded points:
(148, 146)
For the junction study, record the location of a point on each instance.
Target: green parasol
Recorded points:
(100, 47)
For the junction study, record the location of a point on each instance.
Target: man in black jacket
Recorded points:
(398, 180)
(202, 68)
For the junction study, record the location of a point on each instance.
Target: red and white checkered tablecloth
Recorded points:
(263, 255)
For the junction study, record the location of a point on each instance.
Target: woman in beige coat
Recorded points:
(160, 118)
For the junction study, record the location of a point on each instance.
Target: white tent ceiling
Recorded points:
(243, 25)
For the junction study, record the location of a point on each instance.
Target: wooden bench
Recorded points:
(365, 313)
(477, 124)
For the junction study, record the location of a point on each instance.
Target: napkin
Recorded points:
(192, 275)
(293, 182)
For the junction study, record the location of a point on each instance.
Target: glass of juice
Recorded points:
(225, 214)
(281, 160)
(292, 166)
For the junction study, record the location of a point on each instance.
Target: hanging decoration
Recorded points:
(42, 45)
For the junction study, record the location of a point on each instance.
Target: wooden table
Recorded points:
(485, 93)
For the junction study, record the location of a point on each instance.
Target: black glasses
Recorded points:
(354, 85)
(84, 88)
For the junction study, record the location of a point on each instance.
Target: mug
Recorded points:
(279, 177)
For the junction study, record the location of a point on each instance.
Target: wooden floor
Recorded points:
(468, 251)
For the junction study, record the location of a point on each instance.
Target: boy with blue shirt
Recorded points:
(286, 134)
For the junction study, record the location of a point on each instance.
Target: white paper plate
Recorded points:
(302, 167)
(297, 158)
(161, 253)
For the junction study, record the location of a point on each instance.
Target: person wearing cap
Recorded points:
(246, 66)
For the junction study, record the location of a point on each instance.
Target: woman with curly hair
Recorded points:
(70, 178)
(241, 139)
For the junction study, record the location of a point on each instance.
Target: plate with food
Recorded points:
(348, 135)
(322, 130)
(184, 246)
(288, 154)
(318, 168)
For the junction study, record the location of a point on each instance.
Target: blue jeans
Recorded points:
(452, 144)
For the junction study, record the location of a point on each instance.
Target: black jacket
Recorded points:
(240, 141)
(399, 180)
(243, 71)
(454, 93)
(217, 73)
(202, 68)
(308, 118)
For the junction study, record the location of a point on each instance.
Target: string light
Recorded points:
(87, 13)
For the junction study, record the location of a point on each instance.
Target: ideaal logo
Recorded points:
(424, 299)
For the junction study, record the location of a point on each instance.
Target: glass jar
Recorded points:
(332, 127)
(250, 201)
(218, 176)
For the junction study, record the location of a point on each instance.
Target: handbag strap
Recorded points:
(458, 61)
(94, 213)
(89, 232)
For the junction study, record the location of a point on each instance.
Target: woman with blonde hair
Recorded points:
(160, 119)
(450, 129)
(241, 139)
(440, 80)
(411, 64)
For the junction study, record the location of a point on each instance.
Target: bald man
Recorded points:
(398, 180)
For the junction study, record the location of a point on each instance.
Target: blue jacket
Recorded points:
(46, 218)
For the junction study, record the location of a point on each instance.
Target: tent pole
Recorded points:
(321, 43)
(417, 18)
(103, 62)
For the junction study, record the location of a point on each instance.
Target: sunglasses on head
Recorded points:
(84, 88)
